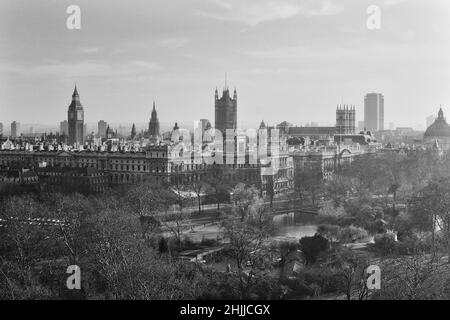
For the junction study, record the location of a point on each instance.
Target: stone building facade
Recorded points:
(225, 111)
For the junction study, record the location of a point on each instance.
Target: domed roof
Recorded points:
(262, 125)
(439, 128)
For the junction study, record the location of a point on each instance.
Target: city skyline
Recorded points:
(167, 125)
(290, 60)
(213, 153)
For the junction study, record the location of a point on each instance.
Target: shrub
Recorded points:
(385, 243)
(377, 226)
(173, 246)
(287, 246)
(267, 288)
(352, 233)
(208, 242)
(347, 221)
(298, 287)
(324, 278)
(313, 246)
(418, 242)
(163, 246)
(329, 210)
(329, 231)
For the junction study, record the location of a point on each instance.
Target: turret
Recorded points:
(153, 125)
(262, 125)
(75, 93)
(440, 114)
(154, 114)
(75, 117)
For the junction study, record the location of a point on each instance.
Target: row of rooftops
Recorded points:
(29, 173)
(63, 148)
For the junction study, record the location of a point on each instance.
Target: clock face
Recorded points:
(79, 115)
(71, 115)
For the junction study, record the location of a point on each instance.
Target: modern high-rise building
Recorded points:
(15, 129)
(345, 119)
(374, 111)
(225, 111)
(64, 127)
(102, 125)
(360, 126)
(153, 125)
(75, 116)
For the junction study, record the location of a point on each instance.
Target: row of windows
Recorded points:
(137, 168)
(17, 179)
(129, 178)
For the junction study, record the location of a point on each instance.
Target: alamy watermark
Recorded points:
(74, 280)
(237, 146)
(74, 19)
(374, 19)
(373, 281)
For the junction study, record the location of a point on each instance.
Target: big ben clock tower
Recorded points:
(75, 116)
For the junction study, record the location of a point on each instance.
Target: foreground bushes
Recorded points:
(385, 244)
(416, 277)
(414, 243)
(347, 234)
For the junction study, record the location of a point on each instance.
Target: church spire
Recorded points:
(154, 116)
(153, 125)
(226, 82)
(75, 92)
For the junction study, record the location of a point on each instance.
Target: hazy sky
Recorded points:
(289, 60)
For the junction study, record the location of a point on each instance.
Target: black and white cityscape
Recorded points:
(224, 150)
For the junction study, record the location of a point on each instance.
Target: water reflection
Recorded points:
(288, 226)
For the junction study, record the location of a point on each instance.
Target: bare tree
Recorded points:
(430, 210)
(243, 197)
(199, 187)
(149, 201)
(416, 277)
(247, 243)
(352, 270)
(132, 270)
(216, 179)
(75, 213)
(23, 245)
(177, 218)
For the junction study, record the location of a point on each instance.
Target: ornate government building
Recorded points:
(225, 111)
(171, 162)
